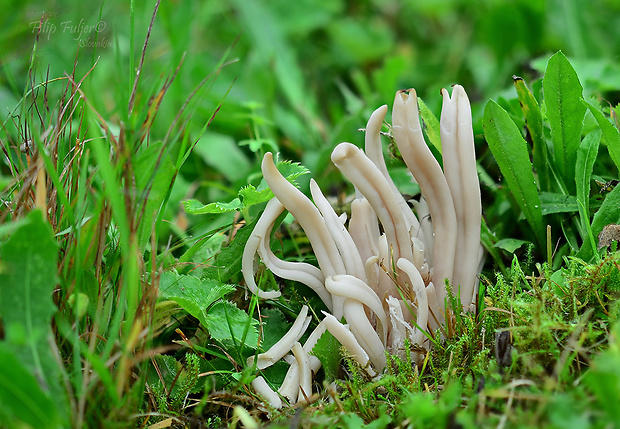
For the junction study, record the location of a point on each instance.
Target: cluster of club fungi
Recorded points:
(386, 272)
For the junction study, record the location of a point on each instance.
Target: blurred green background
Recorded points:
(297, 77)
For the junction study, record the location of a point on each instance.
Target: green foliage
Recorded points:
(565, 112)
(327, 349)
(510, 151)
(171, 382)
(202, 299)
(28, 261)
(22, 397)
(604, 379)
(248, 195)
(563, 161)
(192, 294)
(116, 141)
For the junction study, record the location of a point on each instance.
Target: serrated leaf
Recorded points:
(196, 207)
(510, 151)
(565, 113)
(327, 349)
(534, 123)
(232, 326)
(291, 170)
(28, 276)
(21, 396)
(166, 372)
(250, 196)
(275, 326)
(192, 294)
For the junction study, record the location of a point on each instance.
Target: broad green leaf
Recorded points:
(510, 244)
(558, 203)
(430, 124)
(510, 152)
(192, 294)
(586, 155)
(196, 207)
(534, 123)
(275, 326)
(28, 267)
(327, 349)
(21, 397)
(227, 263)
(565, 112)
(227, 323)
(610, 133)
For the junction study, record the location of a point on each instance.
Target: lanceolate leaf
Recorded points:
(585, 163)
(534, 122)
(154, 179)
(558, 203)
(565, 112)
(227, 263)
(510, 151)
(610, 132)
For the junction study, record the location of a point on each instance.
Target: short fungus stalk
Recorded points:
(386, 272)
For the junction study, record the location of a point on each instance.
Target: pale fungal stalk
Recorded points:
(388, 272)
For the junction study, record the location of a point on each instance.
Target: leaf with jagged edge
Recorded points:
(232, 326)
(327, 349)
(248, 195)
(195, 207)
(193, 294)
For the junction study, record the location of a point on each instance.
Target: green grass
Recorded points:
(121, 306)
